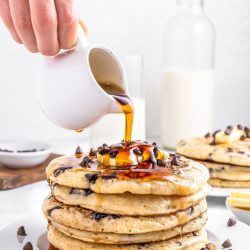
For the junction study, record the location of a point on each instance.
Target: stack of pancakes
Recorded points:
(226, 153)
(126, 196)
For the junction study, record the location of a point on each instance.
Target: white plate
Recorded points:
(35, 227)
(224, 192)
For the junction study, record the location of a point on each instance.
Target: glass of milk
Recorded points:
(110, 129)
(188, 73)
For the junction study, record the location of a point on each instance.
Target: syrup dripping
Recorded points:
(128, 109)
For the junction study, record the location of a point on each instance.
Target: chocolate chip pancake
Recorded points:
(88, 220)
(230, 146)
(144, 205)
(114, 238)
(227, 171)
(228, 184)
(191, 241)
(135, 167)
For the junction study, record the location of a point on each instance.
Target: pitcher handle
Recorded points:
(81, 37)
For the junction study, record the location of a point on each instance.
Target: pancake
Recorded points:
(113, 238)
(228, 184)
(127, 203)
(185, 179)
(87, 220)
(227, 171)
(191, 241)
(236, 153)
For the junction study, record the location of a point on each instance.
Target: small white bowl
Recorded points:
(241, 214)
(17, 159)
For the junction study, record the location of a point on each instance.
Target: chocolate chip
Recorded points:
(109, 177)
(78, 151)
(98, 216)
(137, 151)
(92, 178)
(229, 150)
(143, 245)
(248, 134)
(104, 150)
(49, 211)
(240, 127)
(246, 129)
(176, 161)
(88, 192)
(228, 130)
(61, 170)
(194, 234)
(241, 152)
(28, 246)
(156, 151)
(105, 145)
(243, 137)
(154, 144)
(113, 153)
(213, 143)
(21, 231)
(75, 191)
(161, 163)
(92, 153)
(216, 132)
(231, 222)
(227, 243)
(85, 161)
(190, 210)
(207, 135)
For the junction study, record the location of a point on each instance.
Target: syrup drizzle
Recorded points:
(128, 109)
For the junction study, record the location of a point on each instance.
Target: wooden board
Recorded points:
(13, 178)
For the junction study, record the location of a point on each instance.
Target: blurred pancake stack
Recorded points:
(226, 154)
(131, 195)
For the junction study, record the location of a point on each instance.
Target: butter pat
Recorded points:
(240, 200)
(222, 138)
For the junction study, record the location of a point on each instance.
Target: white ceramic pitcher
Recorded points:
(68, 89)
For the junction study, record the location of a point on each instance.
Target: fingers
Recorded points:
(44, 22)
(20, 13)
(67, 23)
(7, 19)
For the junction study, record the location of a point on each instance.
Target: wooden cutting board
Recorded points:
(13, 178)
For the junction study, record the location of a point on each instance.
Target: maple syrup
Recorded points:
(124, 102)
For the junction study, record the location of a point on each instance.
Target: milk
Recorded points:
(187, 105)
(110, 129)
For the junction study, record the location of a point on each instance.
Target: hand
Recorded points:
(44, 26)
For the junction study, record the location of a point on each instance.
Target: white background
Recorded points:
(131, 26)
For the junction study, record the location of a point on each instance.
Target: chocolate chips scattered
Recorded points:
(104, 149)
(21, 231)
(78, 151)
(176, 160)
(92, 152)
(227, 243)
(161, 163)
(28, 246)
(156, 151)
(228, 130)
(231, 222)
(49, 211)
(207, 135)
(243, 137)
(92, 178)
(61, 170)
(98, 216)
(240, 127)
(85, 161)
(138, 151)
(84, 192)
(113, 153)
(109, 177)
